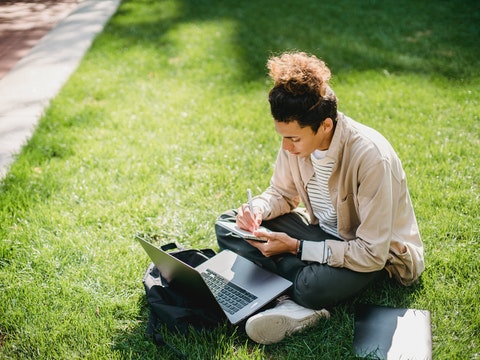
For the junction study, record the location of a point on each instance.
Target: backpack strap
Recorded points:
(170, 246)
(160, 341)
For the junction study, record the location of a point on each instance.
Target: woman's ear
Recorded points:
(327, 125)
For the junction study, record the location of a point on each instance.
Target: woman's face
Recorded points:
(303, 141)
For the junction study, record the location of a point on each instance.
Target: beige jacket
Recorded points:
(368, 189)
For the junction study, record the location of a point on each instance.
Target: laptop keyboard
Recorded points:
(230, 296)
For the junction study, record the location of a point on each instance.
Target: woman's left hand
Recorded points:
(277, 243)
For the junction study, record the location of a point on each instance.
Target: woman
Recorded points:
(357, 221)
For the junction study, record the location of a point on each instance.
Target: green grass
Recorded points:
(166, 123)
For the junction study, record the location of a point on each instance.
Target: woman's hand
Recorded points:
(248, 221)
(277, 243)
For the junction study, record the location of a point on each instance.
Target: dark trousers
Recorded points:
(315, 285)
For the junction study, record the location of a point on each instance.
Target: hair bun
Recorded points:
(300, 73)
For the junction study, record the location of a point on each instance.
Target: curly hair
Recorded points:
(301, 92)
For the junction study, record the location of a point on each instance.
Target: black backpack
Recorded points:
(169, 308)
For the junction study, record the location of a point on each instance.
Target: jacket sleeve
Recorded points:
(368, 214)
(281, 197)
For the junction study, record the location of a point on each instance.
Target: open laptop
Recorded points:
(227, 281)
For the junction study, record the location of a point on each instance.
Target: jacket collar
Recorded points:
(335, 150)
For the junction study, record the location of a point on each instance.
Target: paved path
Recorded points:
(24, 23)
(41, 45)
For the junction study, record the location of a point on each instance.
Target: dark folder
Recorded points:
(390, 333)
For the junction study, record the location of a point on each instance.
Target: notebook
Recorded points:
(390, 333)
(234, 229)
(227, 281)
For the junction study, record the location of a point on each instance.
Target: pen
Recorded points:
(250, 205)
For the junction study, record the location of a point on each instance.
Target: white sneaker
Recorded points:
(272, 325)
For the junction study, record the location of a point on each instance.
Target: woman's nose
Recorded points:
(286, 145)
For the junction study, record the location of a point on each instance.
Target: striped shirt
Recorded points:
(317, 189)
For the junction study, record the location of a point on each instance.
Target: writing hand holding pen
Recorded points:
(248, 217)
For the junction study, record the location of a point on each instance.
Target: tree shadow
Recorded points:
(134, 343)
(336, 333)
(411, 37)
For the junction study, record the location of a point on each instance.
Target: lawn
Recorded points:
(166, 123)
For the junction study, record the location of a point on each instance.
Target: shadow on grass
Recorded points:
(336, 334)
(389, 292)
(135, 344)
(420, 37)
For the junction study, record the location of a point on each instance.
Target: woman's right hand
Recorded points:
(248, 221)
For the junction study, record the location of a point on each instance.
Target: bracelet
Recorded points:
(299, 249)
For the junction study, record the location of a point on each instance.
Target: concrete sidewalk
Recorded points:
(26, 90)
(24, 22)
